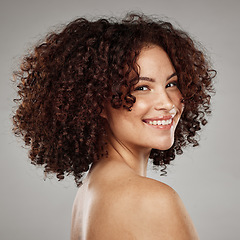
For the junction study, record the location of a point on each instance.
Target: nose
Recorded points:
(163, 101)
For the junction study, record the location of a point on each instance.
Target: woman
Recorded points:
(108, 95)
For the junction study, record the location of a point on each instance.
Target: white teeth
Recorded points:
(163, 122)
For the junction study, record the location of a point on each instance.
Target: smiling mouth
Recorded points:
(159, 122)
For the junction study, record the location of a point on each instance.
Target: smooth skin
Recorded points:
(117, 201)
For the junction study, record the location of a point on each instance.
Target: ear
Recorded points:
(103, 114)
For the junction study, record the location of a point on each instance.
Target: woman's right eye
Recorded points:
(141, 88)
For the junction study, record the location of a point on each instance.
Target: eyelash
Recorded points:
(175, 83)
(138, 88)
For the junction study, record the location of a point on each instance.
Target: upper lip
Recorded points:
(167, 117)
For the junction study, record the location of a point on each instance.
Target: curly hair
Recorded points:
(65, 80)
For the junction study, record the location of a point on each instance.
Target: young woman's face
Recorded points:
(158, 107)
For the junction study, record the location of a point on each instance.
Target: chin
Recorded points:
(164, 146)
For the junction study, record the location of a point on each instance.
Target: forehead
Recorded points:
(154, 60)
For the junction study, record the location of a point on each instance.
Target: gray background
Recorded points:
(206, 178)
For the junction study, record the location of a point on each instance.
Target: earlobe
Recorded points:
(103, 114)
(104, 111)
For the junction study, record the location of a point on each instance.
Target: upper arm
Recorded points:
(162, 215)
(170, 216)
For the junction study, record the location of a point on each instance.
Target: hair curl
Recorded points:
(63, 83)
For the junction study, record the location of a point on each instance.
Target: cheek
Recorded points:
(140, 106)
(177, 101)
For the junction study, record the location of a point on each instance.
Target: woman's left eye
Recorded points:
(172, 84)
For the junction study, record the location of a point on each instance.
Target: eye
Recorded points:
(172, 84)
(141, 88)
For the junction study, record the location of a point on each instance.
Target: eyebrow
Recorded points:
(152, 80)
(172, 75)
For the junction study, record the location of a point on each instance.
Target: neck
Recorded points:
(135, 157)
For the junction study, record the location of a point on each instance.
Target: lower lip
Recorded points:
(161, 127)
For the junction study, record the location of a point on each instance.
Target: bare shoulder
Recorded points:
(160, 212)
(140, 208)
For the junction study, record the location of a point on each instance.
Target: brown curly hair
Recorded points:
(65, 81)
